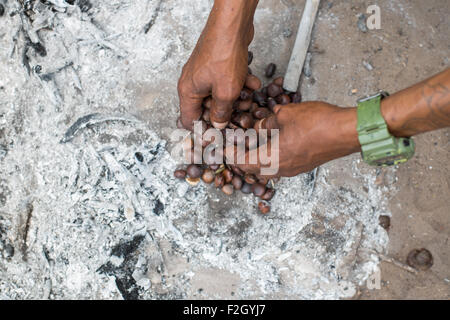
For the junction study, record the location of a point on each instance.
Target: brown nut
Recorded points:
(237, 171)
(261, 113)
(246, 188)
(271, 103)
(246, 120)
(244, 105)
(263, 208)
(278, 81)
(208, 176)
(296, 97)
(219, 181)
(250, 178)
(420, 259)
(258, 189)
(270, 70)
(228, 175)
(194, 171)
(260, 98)
(228, 189)
(237, 182)
(274, 90)
(385, 222)
(283, 99)
(268, 195)
(180, 174)
(246, 94)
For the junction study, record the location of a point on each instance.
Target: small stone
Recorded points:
(263, 208)
(180, 174)
(362, 23)
(385, 222)
(367, 65)
(8, 251)
(139, 157)
(420, 259)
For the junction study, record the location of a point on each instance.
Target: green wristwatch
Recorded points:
(379, 147)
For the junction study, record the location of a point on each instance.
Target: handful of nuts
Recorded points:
(248, 109)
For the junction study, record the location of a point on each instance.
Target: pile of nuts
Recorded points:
(251, 107)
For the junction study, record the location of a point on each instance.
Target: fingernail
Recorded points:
(219, 126)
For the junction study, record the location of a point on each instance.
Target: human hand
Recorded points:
(218, 66)
(310, 134)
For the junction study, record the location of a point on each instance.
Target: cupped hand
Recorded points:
(310, 134)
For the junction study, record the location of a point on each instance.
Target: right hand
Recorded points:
(218, 67)
(310, 134)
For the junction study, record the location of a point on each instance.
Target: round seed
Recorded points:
(228, 189)
(270, 70)
(246, 94)
(237, 171)
(278, 81)
(421, 259)
(208, 176)
(219, 181)
(385, 222)
(246, 188)
(250, 178)
(268, 195)
(263, 208)
(194, 171)
(261, 113)
(228, 175)
(180, 174)
(237, 182)
(274, 90)
(296, 97)
(258, 189)
(260, 98)
(246, 120)
(244, 105)
(271, 103)
(283, 99)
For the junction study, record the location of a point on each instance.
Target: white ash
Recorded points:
(88, 220)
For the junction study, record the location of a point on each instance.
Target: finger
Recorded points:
(191, 111)
(222, 108)
(270, 123)
(259, 162)
(252, 82)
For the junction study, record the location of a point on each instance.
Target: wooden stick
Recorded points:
(302, 41)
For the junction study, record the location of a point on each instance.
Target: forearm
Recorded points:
(420, 108)
(233, 17)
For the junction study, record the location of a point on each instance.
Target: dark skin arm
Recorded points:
(313, 133)
(218, 65)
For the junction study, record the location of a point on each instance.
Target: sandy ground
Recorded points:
(87, 220)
